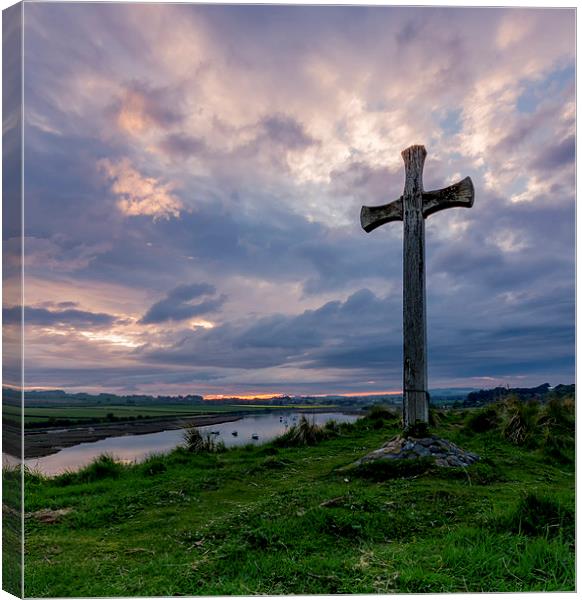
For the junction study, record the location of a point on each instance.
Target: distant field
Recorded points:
(75, 413)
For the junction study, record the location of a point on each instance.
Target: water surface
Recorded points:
(134, 448)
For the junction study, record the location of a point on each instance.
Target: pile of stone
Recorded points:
(444, 453)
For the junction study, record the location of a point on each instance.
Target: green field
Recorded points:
(75, 413)
(287, 520)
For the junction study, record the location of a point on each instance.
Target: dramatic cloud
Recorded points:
(69, 318)
(234, 145)
(178, 305)
(139, 195)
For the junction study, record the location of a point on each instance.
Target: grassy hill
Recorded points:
(289, 520)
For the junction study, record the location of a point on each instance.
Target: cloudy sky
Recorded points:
(193, 182)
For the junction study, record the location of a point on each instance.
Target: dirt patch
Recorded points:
(47, 515)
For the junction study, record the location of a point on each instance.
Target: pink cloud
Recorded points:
(140, 195)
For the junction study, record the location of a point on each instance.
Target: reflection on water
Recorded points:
(253, 429)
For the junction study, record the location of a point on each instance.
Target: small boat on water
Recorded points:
(215, 432)
(235, 433)
(255, 436)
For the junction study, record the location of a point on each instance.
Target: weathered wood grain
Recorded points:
(372, 217)
(412, 208)
(414, 305)
(461, 194)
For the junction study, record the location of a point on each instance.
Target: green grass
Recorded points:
(77, 413)
(289, 520)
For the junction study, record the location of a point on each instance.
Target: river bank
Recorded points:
(43, 442)
(50, 440)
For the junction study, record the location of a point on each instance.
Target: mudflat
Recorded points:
(46, 441)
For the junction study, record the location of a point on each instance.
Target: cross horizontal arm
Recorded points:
(460, 194)
(374, 216)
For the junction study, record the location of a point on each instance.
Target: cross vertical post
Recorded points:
(413, 207)
(415, 388)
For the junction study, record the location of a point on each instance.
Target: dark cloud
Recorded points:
(274, 136)
(178, 306)
(309, 338)
(67, 318)
(179, 145)
(129, 379)
(523, 128)
(556, 156)
(409, 32)
(370, 185)
(363, 337)
(285, 131)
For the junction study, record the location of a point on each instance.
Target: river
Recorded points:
(135, 448)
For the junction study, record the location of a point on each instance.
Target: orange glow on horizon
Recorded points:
(242, 397)
(279, 395)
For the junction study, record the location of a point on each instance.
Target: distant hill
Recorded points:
(38, 398)
(467, 397)
(541, 392)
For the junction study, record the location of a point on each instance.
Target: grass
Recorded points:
(288, 519)
(549, 426)
(85, 414)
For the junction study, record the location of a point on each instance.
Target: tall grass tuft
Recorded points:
(548, 427)
(103, 467)
(520, 421)
(195, 442)
(304, 433)
(557, 423)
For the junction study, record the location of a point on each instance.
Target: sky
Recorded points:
(193, 177)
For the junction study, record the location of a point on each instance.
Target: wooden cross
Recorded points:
(412, 208)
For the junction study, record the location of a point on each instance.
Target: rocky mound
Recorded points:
(444, 453)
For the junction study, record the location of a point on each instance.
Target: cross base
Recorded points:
(441, 451)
